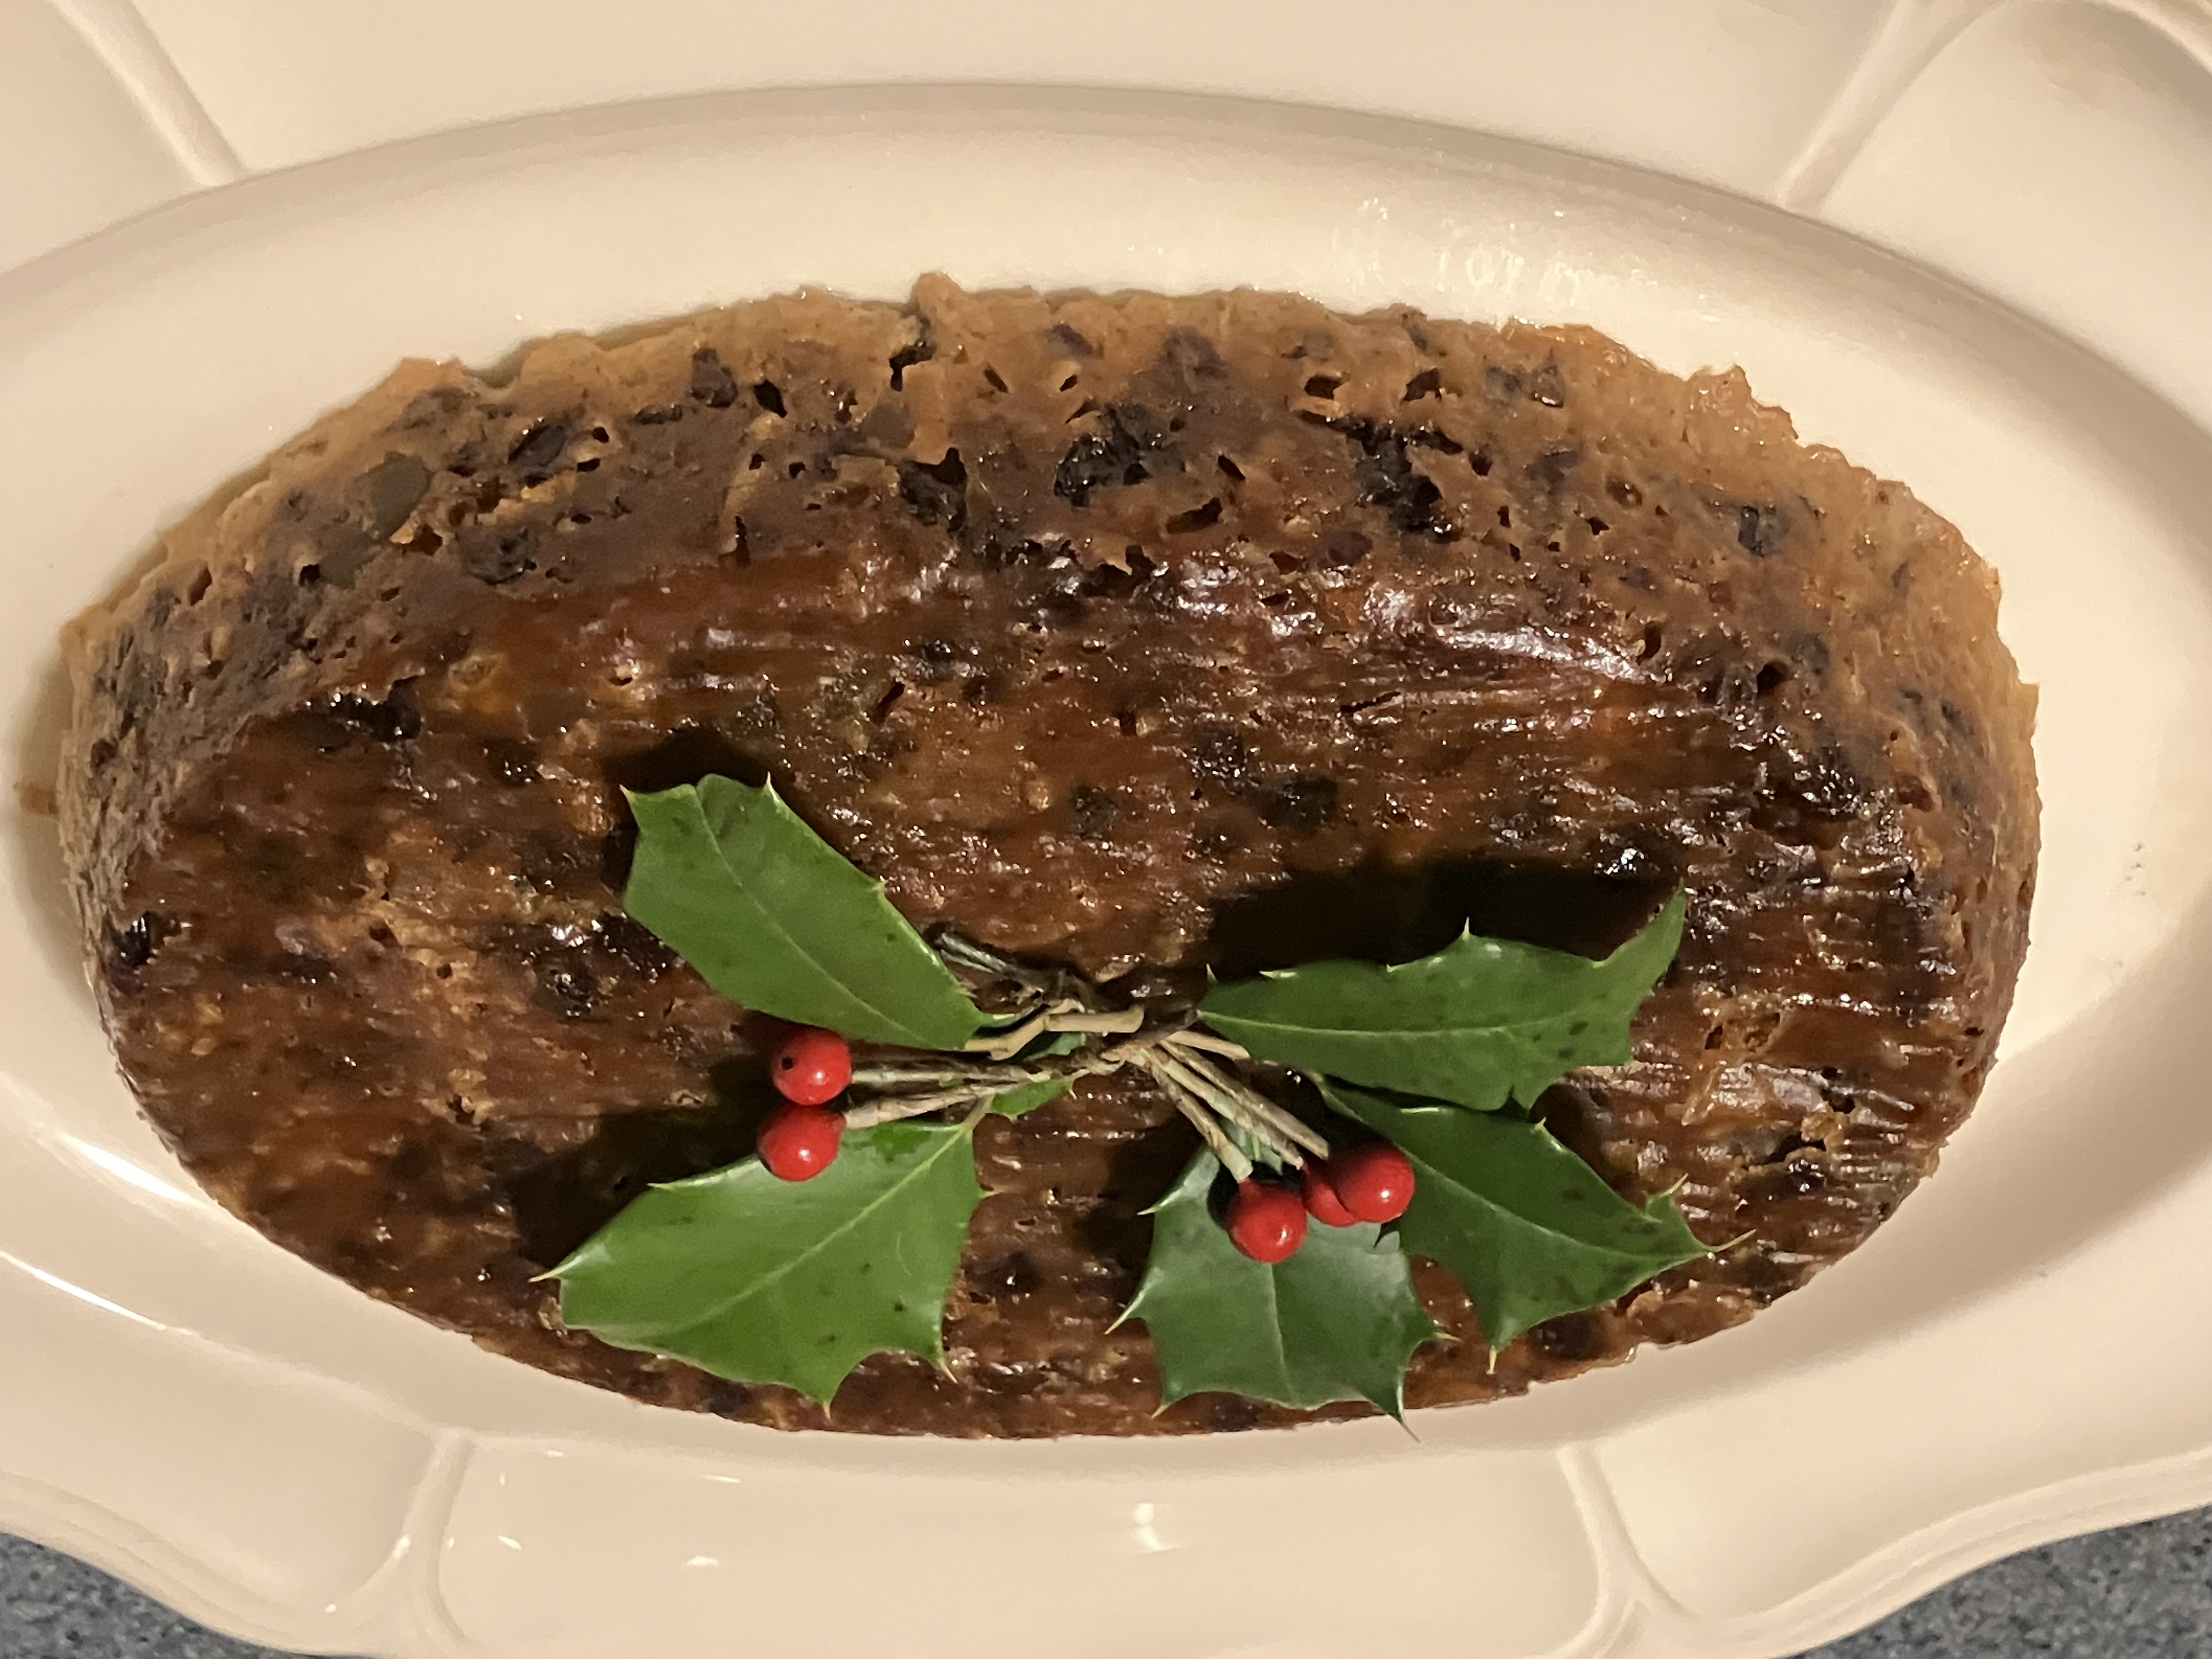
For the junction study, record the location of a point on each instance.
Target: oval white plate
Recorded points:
(2012, 1357)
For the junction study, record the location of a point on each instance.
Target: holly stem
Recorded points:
(895, 1075)
(965, 953)
(1282, 1122)
(1006, 1043)
(1211, 1042)
(1066, 1015)
(1177, 1059)
(1115, 1022)
(1228, 1103)
(1115, 1055)
(889, 1109)
(1192, 1107)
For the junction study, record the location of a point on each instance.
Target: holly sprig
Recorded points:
(842, 1237)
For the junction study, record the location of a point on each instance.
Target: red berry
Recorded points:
(799, 1142)
(1267, 1222)
(1322, 1202)
(811, 1065)
(1375, 1181)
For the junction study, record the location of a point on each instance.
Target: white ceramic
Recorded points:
(271, 1452)
(80, 146)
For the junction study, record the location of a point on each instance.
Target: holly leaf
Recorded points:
(1528, 1230)
(1020, 1102)
(796, 1282)
(1482, 1021)
(1338, 1321)
(778, 920)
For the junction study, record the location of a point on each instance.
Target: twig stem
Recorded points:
(1189, 1038)
(1192, 1107)
(1226, 1103)
(1283, 1122)
(1185, 1064)
(966, 953)
(889, 1109)
(1113, 1021)
(1006, 1043)
(899, 1075)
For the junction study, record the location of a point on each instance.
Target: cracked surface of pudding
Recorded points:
(1145, 634)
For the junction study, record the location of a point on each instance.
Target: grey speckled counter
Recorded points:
(2141, 1593)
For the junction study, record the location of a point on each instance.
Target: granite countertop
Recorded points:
(2142, 1592)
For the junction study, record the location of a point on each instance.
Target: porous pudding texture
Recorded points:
(1143, 634)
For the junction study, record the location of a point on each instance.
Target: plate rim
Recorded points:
(1939, 1551)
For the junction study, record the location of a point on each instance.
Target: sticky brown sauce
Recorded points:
(1301, 687)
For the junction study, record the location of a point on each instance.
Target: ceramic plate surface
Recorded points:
(259, 1444)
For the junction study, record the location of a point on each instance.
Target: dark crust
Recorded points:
(1081, 621)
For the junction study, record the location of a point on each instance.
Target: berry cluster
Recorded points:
(810, 1067)
(1267, 1219)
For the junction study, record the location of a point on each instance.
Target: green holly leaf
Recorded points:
(1482, 1021)
(777, 920)
(1019, 1102)
(796, 1282)
(1529, 1230)
(1338, 1321)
